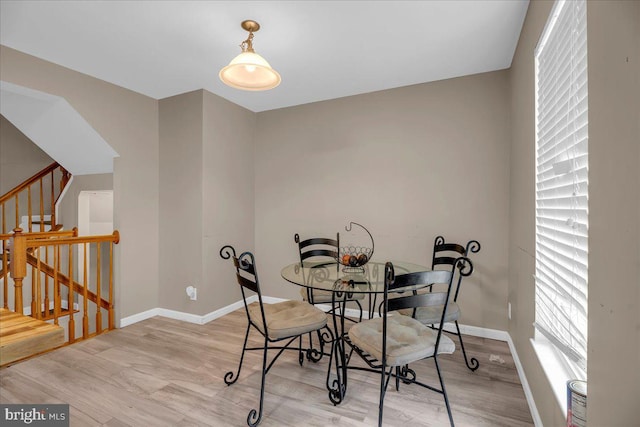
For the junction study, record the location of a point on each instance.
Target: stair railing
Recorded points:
(6, 251)
(70, 277)
(4, 269)
(47, 194)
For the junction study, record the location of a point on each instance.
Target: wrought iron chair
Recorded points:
(445, 256)
(392, 341)
(320, 249)
(285, 321)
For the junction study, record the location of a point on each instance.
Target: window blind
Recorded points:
(562, 181)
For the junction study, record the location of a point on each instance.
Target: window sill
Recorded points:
(557, 369)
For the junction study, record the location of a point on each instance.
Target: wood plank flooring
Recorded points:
(23, 336)
(163, 372)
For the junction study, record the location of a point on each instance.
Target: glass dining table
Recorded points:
(343, 282)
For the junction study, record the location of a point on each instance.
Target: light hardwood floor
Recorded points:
(163, 372)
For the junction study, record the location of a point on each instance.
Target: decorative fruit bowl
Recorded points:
(354, 256)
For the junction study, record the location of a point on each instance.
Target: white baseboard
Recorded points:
(496, 334)
(270, 300)
(476, 331)
(351, 312)
(537, 421)
(139, 317)
(492, 334)
(186, 317)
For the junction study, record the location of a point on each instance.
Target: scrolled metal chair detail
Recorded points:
(324, 252)
(445, 256)
(384, 344)
(286, 322)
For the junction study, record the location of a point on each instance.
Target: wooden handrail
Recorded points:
(53, 166)
(44, 234)
(41, 252)
(4, 271)
(51, 234)
(83, 287)
(24, 190)
(115, 238)
(25, 242)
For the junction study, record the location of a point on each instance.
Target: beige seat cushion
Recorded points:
(288, 318)
(433, 314)
(323, 297)
(407, 339)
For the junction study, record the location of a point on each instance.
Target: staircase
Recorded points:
(32, 199)
(61, 284)
(23, 336)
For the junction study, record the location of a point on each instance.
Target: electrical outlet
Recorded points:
(509, 307)
(192, 293)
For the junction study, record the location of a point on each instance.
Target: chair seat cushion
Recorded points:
(407, 339)
(288, 318)
(323, 297)
(433, 314)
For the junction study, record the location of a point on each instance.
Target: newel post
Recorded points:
(64, 178)
(18, 265)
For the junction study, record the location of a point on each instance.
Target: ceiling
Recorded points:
(322, 49)
(57, 128)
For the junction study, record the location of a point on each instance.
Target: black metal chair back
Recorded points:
(415, 300)
(365, 340)
(247, 277)
(318, 247)
(446, 254)
(289, 321)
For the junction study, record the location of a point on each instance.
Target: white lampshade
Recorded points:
(250, 71)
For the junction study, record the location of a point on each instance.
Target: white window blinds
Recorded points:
(562, 180)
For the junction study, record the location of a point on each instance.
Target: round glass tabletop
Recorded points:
(331, 276)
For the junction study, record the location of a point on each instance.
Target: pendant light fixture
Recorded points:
(249, 71)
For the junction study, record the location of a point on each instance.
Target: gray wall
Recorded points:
(408, 163)
(68, 208)
(522, 212)
(228, 195)
(180, 198)
(129, 123)
(206, 198)
(614, 212)
(20, 158)
(454, 157)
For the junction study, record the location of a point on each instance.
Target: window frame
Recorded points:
(554, 289)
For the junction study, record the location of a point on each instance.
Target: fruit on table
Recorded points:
(362, 259)
(345, 259)
(353, 260)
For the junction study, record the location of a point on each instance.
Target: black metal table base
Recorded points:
(337, 383)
